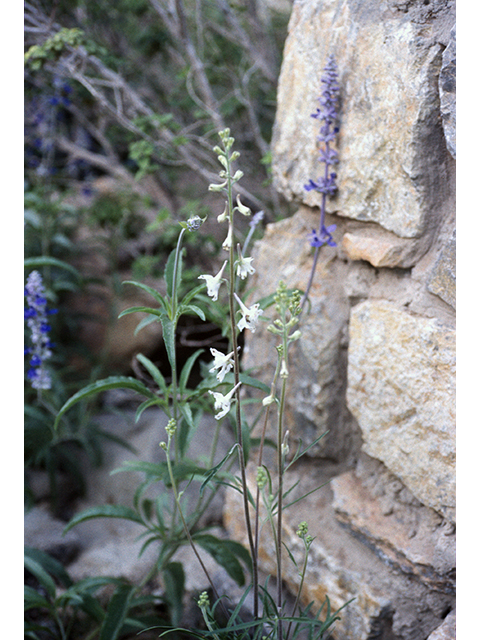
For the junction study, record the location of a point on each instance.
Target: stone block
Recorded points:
(447, 88)
(401, 390)
(380, 248)
(447, 630)
(385, 603)
(442, 281)
(316, 397)
(390, 132)
(404, 534)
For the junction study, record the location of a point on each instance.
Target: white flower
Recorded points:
(242, 208)
(222, 362)
(249, 316)
(227, 243)
(223, 402)
(223, 216)
(244, 266)
(213, 282)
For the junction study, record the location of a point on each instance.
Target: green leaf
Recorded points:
(193, 308)
(174, 580)
(114, 382)
(191, 294)
(42, 576)
(32, 599)
(46, 261)
(168, 326)
(153, 312)
(52, 566)
(155, 469)
(226, 554)
(254, 382)
(153, 292)
(214, 470)
(116, 612)
(187, 369)
(104, 511)
(144, 322)
(154, 371)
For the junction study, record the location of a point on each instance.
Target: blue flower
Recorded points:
(326, 185)
(36, 316)
(324, 236)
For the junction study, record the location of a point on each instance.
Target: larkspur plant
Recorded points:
(166, 521)
(327, 114)
(36, 314)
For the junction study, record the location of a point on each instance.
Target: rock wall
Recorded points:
(375, 366)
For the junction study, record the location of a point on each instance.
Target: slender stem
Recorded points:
(174, 320)
(236, 359)
(299, 593)
(280, 500)
(185, 526)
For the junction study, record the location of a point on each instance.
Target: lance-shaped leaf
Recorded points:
(114, 382)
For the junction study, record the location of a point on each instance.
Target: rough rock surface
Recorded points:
(442, 281)
(386, 603)
(379, 510)
(390, 133)
(447, 87)
(401, 389)
(317, 361)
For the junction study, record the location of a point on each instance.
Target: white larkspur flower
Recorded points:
(223, 402)
(242, 208)
(223, 216)
(227, 243)
(244, 265)
(213, 282)
(222, 362)
(249, 316)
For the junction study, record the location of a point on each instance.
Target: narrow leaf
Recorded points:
(225, 553)
(153, 292)
(168, 327)
(214, 470)
(192, 308)
(104, 511)
(153, 312)
(41, 575)
(47, 261)
(52, 566)
(114, 382)
(174, 579)
(154, 371)
(187, 369)
(116, 612)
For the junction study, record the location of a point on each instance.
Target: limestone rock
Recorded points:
(317, 361)
(401, 390)
(442, 280)
(402, 532)
(379, 247)
(43, 531)
(447, 630)
(342, 568)
(390, 133)
(447, 87)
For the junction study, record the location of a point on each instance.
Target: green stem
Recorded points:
(280, 458)
(185, 526)
(241, 455)
(299, 593)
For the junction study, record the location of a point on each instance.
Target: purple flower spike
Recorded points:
(36, 314)
(327, 114)
(324, 237)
